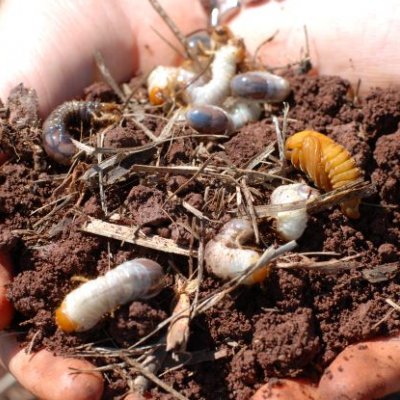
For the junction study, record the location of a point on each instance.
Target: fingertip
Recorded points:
(363, 371)
(287, 389)
(55, 378)
(6, 308)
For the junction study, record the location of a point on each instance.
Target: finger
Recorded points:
(350, 39)
(287, 389)
(364, 371)
(50, 377)
(6, 308)
(56, 57)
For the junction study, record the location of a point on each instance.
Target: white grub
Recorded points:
(226, 258)
(291, 224)
(82, 308)
(243, 111)
(261, 86)
(223, 69)
(163, 83)
(160, 83)
(216, 120)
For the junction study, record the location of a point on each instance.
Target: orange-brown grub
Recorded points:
(326, 162)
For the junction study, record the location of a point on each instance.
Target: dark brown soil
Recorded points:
(292, 325)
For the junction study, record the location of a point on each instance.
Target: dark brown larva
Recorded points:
(326, 162)
(56, 136)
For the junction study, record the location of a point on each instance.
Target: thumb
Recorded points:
(50, 45)
(354, 39)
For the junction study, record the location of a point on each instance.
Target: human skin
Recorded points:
(49, 45)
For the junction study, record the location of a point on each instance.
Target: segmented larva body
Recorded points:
(326, 162)
(261, 86)
(216, 120)
(225, 257)
(83, 307)
(56, 137)
(223, 69)
(291, 224)
(164, 82)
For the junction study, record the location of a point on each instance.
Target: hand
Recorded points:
(52, 49)
(50, 46)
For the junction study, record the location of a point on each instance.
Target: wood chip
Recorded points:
(130, 234)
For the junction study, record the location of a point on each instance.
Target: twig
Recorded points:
(393, 304)
(145, 129)
(262, 44)
(171, 24)
(200, 265)
(327, 266)
(152, 377)
(259, 157)
(190, 180)
(108, 78)
(128, 234)
(250, 208)
(152, 363)
(281, 135)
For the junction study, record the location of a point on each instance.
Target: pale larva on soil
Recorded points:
(223, 69)
(226, 258)
(164, 83)
(83, 308)
(291, 224)
(216, 120)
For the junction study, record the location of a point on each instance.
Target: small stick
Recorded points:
(280, 135)
(152, 363)
(250, 208)
(128, 234)
(171, 25)
(190, 180)
(152, 377)
(106, 74)
(393, 304)
(200, 265)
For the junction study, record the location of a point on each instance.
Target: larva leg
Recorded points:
(350, 208)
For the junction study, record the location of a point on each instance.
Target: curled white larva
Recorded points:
(82, 308)
(226, 258)
(260, 85)
(243, 111)
(223, 68)
(160, 83)
(216, 120)
(163, 83)
(291, 224)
